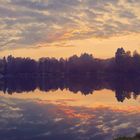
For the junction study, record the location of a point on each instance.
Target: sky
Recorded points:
(61, 28)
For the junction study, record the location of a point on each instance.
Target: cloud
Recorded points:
(27, 23)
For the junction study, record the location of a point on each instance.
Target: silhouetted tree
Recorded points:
(85, 64)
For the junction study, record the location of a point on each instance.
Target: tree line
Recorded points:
(85, 64)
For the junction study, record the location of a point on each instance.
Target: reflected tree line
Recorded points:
(122, 86)
(78, 73)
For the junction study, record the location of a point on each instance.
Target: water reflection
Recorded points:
(39, 119)
(124, 88)
(49, 109)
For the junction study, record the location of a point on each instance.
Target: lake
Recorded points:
(48, 113)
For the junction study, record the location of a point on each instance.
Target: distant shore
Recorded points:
(136, 137)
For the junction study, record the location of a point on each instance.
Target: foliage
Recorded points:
(123, 63)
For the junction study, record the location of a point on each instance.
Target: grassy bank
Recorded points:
(136, 137)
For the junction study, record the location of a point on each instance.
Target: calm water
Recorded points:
(80, 112)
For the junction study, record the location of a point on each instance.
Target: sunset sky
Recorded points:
(61, 28)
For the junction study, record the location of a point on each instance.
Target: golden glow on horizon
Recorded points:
(100, 48)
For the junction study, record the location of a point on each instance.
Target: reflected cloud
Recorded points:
(47, 120)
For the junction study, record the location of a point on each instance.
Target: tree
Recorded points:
(123, 61)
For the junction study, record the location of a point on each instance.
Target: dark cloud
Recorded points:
(127, 14)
